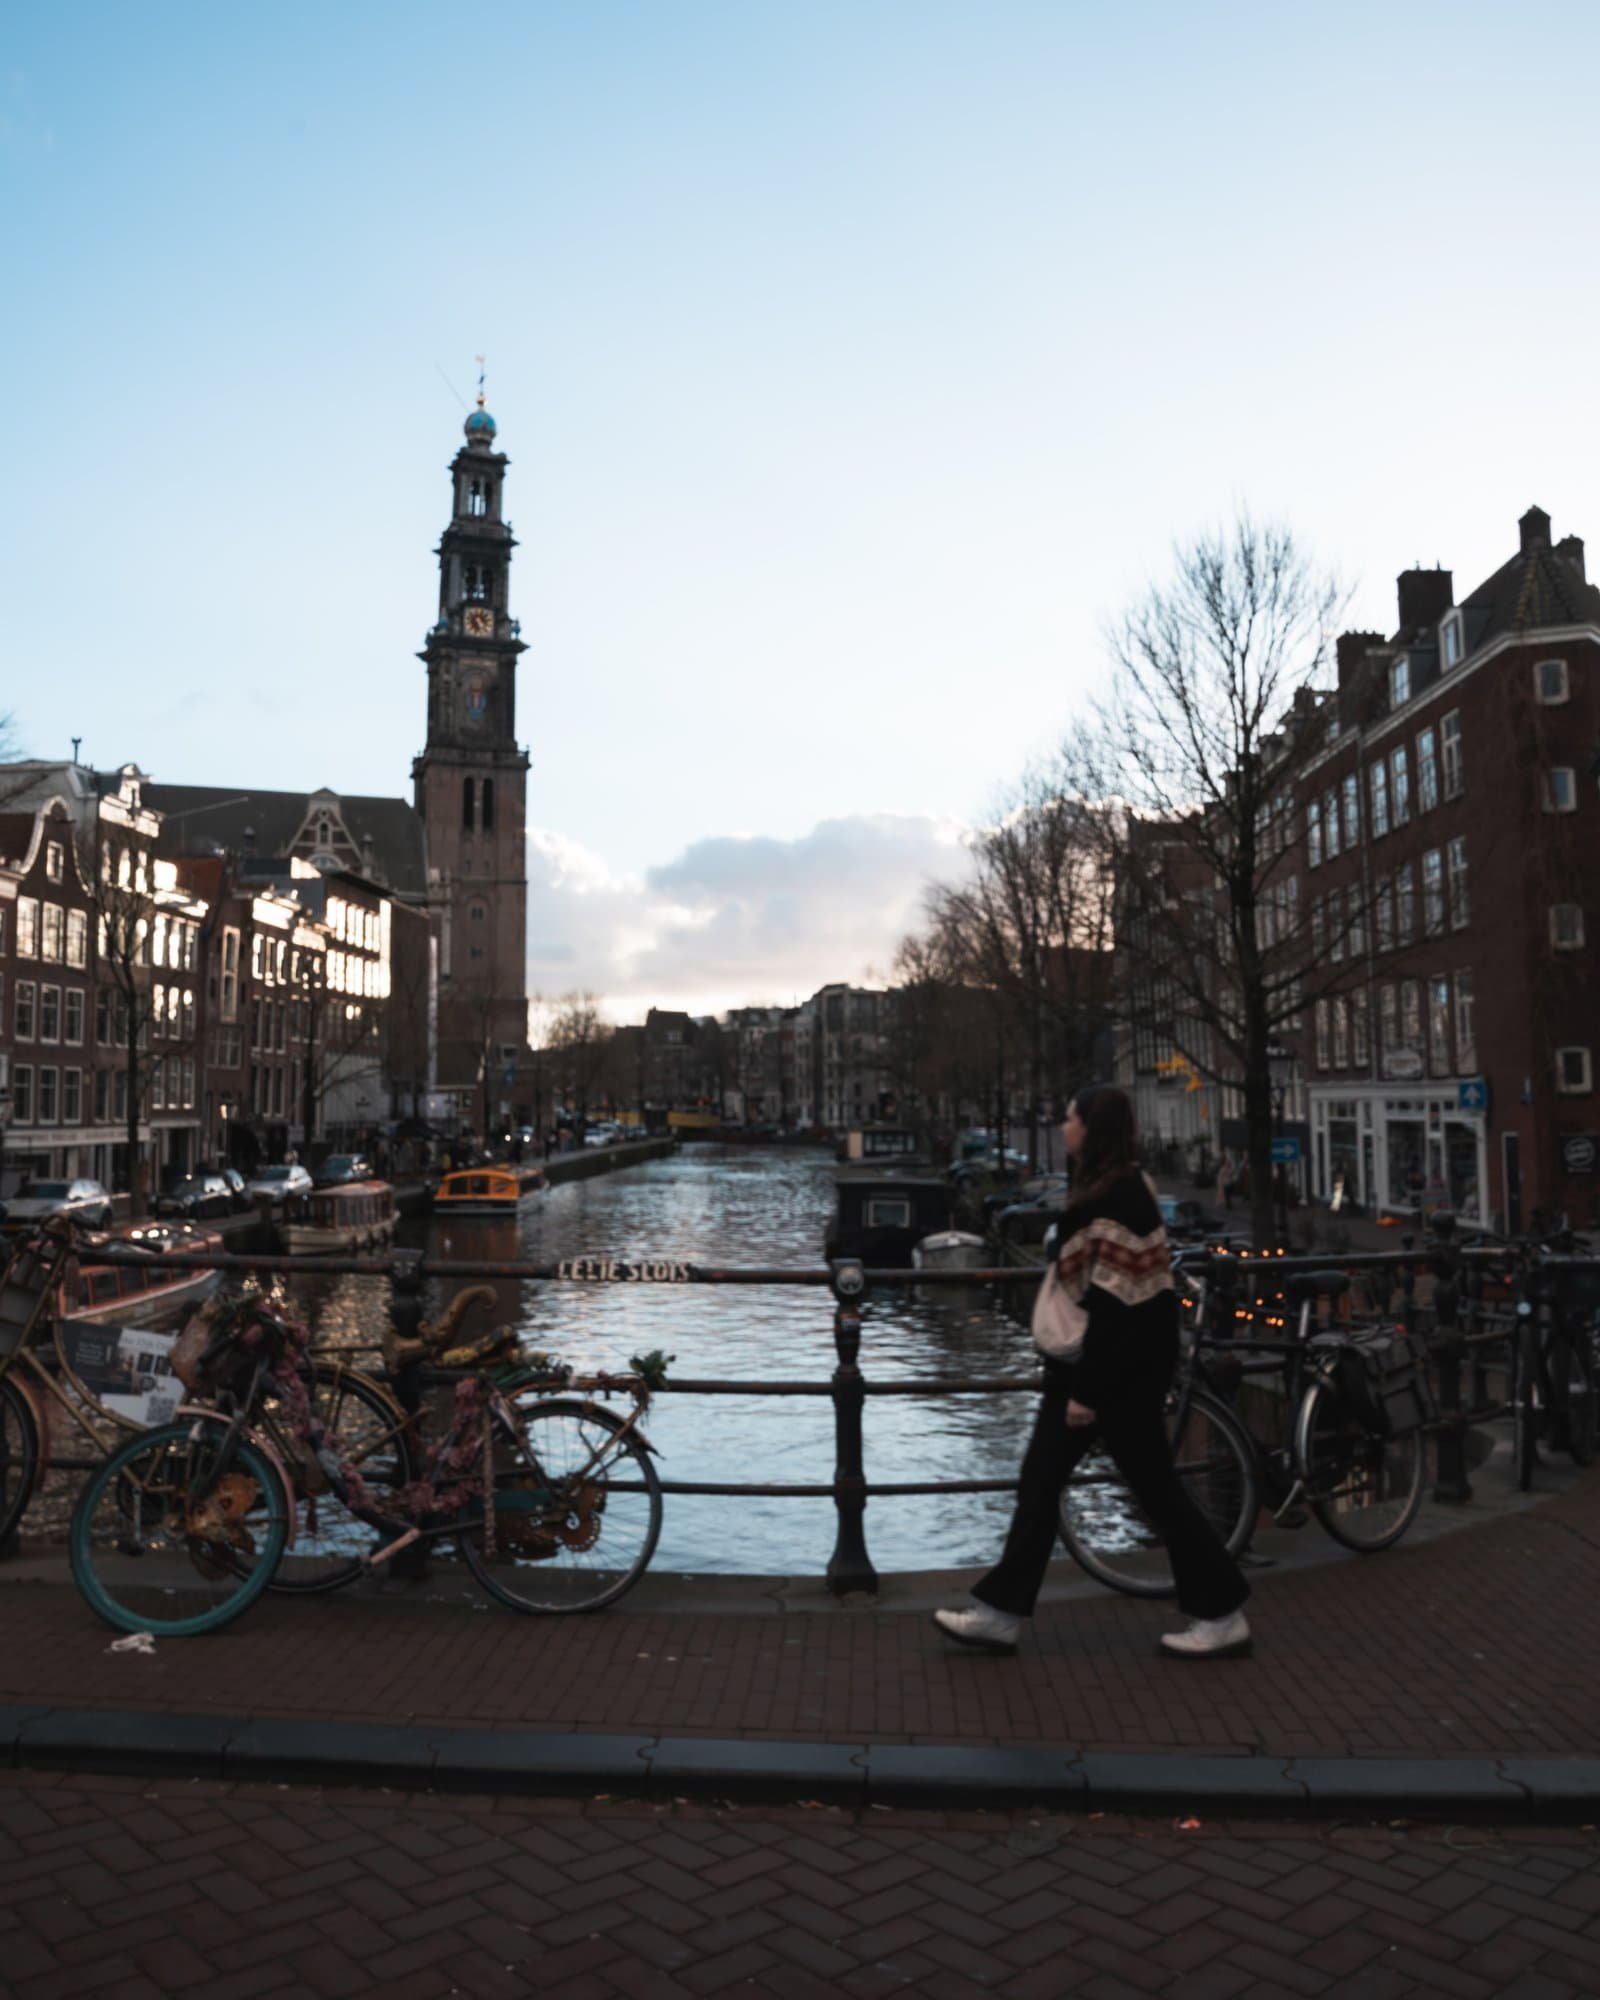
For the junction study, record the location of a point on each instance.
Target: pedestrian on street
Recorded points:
(1108, 1332)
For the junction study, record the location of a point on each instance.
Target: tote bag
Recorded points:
(1059, 1322)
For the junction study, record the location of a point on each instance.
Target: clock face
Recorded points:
(475, 698)
(479, 621)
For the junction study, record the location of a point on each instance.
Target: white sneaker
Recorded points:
(1210, 1638)
(981, 1625)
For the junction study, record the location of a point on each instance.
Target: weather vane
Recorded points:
(480, 361)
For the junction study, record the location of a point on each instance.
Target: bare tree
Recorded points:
(577, 1037)
(1215, 704)
(126, 912)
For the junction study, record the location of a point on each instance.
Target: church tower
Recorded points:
(471, 783)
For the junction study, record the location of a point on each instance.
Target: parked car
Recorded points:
(196, 1194)
(277, 1184)
(1053, 1185)
(600, 1135)
(36, 1201)
(341, 1169)
(1184, 1217)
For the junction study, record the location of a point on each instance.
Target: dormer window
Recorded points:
(1452, 643)
(1550, 682)
(1400, 682)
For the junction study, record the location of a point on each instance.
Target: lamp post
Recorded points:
(1280, 1066)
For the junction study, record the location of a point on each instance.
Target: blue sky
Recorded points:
(856, 363)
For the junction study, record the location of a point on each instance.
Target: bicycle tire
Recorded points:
(1101, 1523)
(19, 1458)
(1363, 1488)
(1573, 1404)
(330, 1542)
(530, 1570)
(143, 1557)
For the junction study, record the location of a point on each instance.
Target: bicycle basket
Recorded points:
(1383, 1378)
(221, 1345)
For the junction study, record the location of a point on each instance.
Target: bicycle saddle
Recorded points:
(1314, 1285)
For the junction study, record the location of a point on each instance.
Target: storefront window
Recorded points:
(1408, 1177)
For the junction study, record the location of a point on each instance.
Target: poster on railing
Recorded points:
(127, 1369)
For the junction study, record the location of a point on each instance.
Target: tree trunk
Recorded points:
(136, 1201)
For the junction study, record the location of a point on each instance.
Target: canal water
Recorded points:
(730, 1205)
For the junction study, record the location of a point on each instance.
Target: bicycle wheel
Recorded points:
(1109, 1535)
(179, 1530)
(19, 1457)
(364, 1430)
(577, 1511)
(1572, 1392)
(1363, 1488)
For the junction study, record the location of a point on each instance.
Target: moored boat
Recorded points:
(356, 1216)
(500, 1189)
(881, 1215)
(136, 1294)
(951, 1250)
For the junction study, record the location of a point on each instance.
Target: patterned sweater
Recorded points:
(1114, 1259)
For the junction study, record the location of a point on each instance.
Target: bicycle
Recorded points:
(183, 1528)
(38, 1380)
(1351, 1451)
(1551, 1390)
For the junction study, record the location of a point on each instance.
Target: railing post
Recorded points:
(849, 1567)
(1451, 1483)
(405, 1316)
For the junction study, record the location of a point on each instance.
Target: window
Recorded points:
(77, 938)
(477, 499)
(52, 923)
(22, 1094)
(1561, 789)
(1313, 835)
(230, 975)
(27, 927)
(1405, 904)
(1360, 1043)
(469, 788)
(1450, 753)
(74, 1016)
(1460, 902)
(477, 913)
(1574, 1072)
(1439, 1027)
(49, 1103)
(1351, 790)
(1466, 1031)
(1357, 922)
(1341, 1033)
(1330, 824)
(1319, 928)
(1566, 926)
(486, 805)
(72, 1097)
(1427, 770)
(24, 1017)
(1433, 892)
(54, 861)
(1400, 784)
(1400, 682)
(1388, 1018)
(1384, 908)
(49, 1013)
(1319, 1015)
(1410, 1014)
(1550, 682)
(102, 1095)
(1451, 640)
(1378, 784)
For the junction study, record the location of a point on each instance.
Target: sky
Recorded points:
(857, 364)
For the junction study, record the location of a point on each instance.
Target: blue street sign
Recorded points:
(1472, 1094)
(1286, 1152)
(511, 1074)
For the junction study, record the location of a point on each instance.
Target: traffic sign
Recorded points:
(1472, 1094)
(1286, 1152)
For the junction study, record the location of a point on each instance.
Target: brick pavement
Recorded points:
(143, 1891)
(1480, 1644)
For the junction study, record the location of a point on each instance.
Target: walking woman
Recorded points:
(1114, 1345)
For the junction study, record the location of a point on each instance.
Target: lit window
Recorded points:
(1550, 681)
(1574, 1071)
(1566, 926)
(1561, 789)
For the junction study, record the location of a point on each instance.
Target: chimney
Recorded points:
(1534, 528)
(1350, 649)
(1425, 596)
(1570, 548)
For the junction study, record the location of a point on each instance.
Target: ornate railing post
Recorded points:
(405, 1316)
(849, 1567)
(1451, 1483)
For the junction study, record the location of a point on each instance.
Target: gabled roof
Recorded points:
(200, 819)
(1538, 587)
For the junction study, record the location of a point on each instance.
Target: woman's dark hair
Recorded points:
(1111, 1140)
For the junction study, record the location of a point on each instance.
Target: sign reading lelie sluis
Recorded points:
(614, 1271)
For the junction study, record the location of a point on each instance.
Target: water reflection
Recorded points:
(731, 1205)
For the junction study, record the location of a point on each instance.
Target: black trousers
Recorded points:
(1132, 1426)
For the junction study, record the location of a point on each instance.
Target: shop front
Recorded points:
(1406, 1148)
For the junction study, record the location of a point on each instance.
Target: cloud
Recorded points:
(733, 920)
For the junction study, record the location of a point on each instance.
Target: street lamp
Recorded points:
(1280, 1067)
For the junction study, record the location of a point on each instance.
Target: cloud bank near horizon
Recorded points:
(734, 920)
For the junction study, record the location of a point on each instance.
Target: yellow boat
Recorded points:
(496, 1190)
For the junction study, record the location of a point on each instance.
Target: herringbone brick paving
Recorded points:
(1480, 1644)
(143, 1891)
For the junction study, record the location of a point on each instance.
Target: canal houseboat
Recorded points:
(500, 1189)
(881, 1214)
(138, 1294)
(359, 1216)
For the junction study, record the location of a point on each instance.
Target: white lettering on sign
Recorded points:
(609, 1271)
